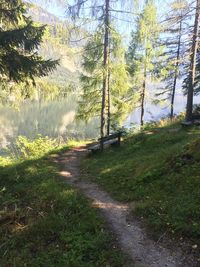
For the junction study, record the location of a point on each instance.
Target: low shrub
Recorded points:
(25, 148)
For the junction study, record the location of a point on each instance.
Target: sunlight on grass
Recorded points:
(160, 172)
(44, 222)
(75, 143)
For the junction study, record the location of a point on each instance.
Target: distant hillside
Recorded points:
(43, 16)
(56, 7)
(56, 45)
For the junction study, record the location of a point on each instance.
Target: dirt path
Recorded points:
(130, 235)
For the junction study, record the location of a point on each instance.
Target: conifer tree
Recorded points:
(101, 10)
(19, 40)
(118, 101)
(174, 31)
(192, 79)
(144, 51)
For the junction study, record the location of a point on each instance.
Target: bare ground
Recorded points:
(130, 234)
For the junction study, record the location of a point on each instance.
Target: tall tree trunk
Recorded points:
(108, 115)
(192, 70)
(176, 71)
(105, 75)
(143, 95)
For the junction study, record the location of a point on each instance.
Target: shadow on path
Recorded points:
(131, 236)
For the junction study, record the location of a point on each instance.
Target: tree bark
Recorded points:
(108, 95)
(143, 95)
(192, 70)
(105, 74)
(176, 72)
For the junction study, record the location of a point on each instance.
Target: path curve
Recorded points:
(130, 235)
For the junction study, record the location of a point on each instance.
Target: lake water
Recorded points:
(57, 119)
(156, 112)
(54, 119)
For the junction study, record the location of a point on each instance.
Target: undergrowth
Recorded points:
(44, 222)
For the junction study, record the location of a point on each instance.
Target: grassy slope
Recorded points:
(45, 223)
(161, 172)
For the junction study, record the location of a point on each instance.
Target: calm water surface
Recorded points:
(57, 119)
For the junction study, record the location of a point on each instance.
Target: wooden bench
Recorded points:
(112, 139)
(186, 123)
(195, 121)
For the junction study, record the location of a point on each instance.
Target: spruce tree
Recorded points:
(19, 41)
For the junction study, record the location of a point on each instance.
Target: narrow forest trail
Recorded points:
(130, 235)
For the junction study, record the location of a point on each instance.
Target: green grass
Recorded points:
(44, 222)
(159, 170)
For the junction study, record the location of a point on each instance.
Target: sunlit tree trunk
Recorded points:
(192, 70)
(143, 94)
(109, 114)
(105, 78)
(176, 72)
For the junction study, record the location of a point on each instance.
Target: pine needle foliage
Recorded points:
(175, 29)
(143, 52)
(92, 77)
(19, 41)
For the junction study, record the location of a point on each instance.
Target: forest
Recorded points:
(99, 133)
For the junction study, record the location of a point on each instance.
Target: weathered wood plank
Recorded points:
(187, 123)
(112, 139)
(96, 147)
